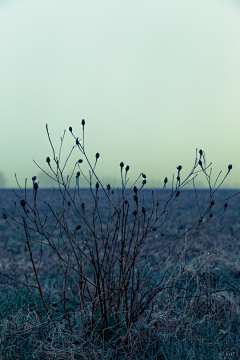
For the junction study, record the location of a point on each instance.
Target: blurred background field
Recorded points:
(219, 238)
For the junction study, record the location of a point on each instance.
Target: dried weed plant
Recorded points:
(111, 299)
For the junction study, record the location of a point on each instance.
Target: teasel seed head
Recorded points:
(225, 206)
(121, 165)
(78, 174)
(144, 176)
(108, 187)
(134, 212)
(48, 159)
(34, 178)
(78, 227)
(178, 178)
(97, 185)
(23, 202)
(165, 180)
(80, 161)
(83, 122)
(97, 155)
(200, 152)
(177, 193)
(179, 168)
(125, 202)
(70, 129)
(127, 168)
(77, 142)
(212, 203)
(229, 167)
(144, 182)
(211, 215)
(143, 210)
(135, 189)
(200, 162)
(4, 216)
(154, 228)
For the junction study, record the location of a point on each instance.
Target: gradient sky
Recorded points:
(154, 80)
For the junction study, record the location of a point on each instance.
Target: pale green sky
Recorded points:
(154, 80)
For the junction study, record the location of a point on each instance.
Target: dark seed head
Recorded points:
(154, 228)
(34, 178)
(48, 159)
(157, 203)
(78, 173)
(80, 161)
(144, 182)
(69, 203)
(97, 185)
(88, 332)
(179, 168)
(135, 198)
(76, 342)
(200, 162)
(162, 234)
(144, 176)
(165, 180)
(108, 187)
(83, 122)
(121, 164)
(135, 189)
(127, 168)
(143, 210)
(83, 205)
(177, 193)
(78, 227)
(97, 155)
(48, 338)
(23, 202)
(211, 215)
(212, 202)
(229, 167)
(200, 152)
(225, 205)
(4, 216)
(126, 202)
(178, 178)
(77, 142)
(35, 186)
(134, 212)
(70, 129)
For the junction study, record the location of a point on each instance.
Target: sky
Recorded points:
(154, 80)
